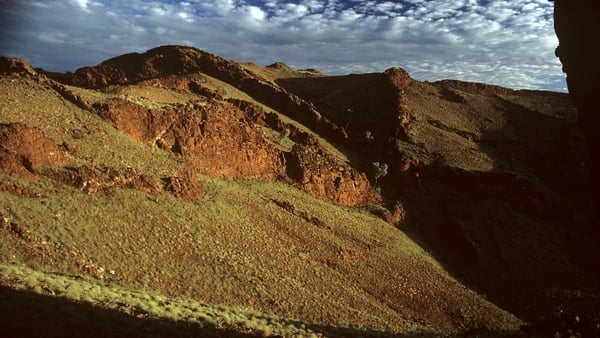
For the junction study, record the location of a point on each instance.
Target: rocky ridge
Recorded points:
(228, 142)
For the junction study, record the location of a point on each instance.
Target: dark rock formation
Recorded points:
(577, 24)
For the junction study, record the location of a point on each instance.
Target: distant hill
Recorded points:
(181, 193)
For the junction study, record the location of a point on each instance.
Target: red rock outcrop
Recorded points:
(218, 139)
(9, 65)
(230, 146)
(99, 180)
(326, 178)
(186, 186)
(18, 189)
(178, 60)
(97, 77)
(398, 77)
(23, 150)
(141, 123)
(222, 140)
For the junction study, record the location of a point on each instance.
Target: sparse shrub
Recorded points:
(283, 135)
(379, 170)
(73, 291)
(439, 161)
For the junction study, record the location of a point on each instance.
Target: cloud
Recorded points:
(81, 3)
(508, 43)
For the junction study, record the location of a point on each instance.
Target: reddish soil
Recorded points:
(24, 150)
(19, 190)
(186, 186)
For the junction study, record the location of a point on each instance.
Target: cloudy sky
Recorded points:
(508, 43)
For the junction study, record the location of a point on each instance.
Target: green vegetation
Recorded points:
(147, 304)
(379, 170)
(283, 135)
(234, 246)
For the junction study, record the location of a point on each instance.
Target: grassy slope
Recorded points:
(235, 246)
(483, 132)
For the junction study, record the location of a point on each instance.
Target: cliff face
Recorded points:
(219, 140)
(576, 24)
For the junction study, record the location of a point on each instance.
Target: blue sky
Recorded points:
(508, 43)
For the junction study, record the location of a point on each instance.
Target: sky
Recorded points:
(506, 43)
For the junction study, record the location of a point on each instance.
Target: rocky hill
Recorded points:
(275, 201)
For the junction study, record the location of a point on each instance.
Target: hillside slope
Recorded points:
(348, 205)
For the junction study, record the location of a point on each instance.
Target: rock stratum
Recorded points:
(408, 199)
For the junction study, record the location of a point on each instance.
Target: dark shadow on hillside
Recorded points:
(366, 106)
(522, 234)
(356, 101)
(549, 148)
(28, 314)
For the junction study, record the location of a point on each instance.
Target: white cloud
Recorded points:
(185, 17)
(39, 4)
(159, 11)
(508, 43)
(83, 4)
(52, 37)
(255, 13)
(219, 7)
